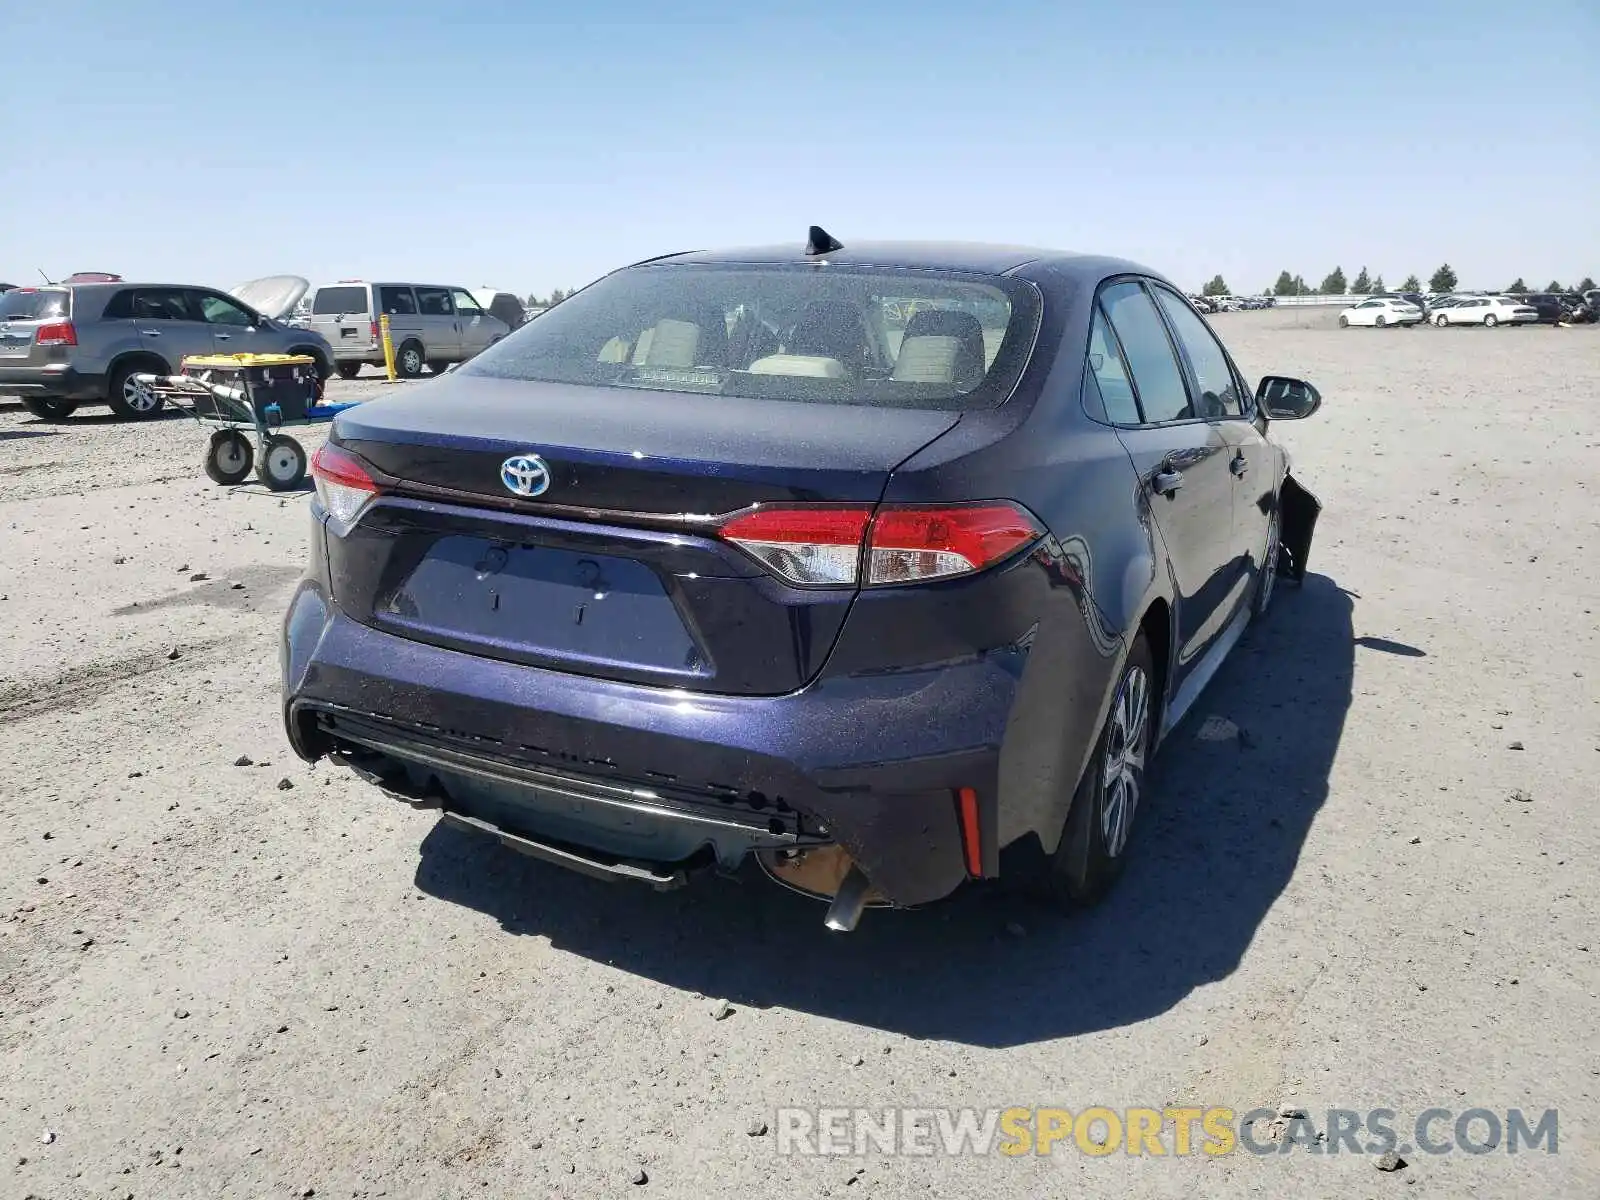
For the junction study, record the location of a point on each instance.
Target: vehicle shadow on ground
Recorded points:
(1213, 853)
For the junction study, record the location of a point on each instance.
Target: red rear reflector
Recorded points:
(820, 545)
(912, 544)
(56, 333)
(967, 803)
(374, 331)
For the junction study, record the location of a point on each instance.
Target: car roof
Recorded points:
(977, 257)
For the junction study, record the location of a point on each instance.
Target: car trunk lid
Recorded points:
(614, 568)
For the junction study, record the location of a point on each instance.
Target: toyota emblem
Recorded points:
(526, 475)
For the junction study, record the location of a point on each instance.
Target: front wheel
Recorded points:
(50, 410)
(1344, 321)
(283, 463)
(1099, 826)
(1380, 322)
(1441, 321)
(1267, 573)
(1490, 321)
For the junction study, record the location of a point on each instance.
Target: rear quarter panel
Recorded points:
(1102, 558)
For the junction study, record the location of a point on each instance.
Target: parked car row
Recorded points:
(86, 341)
(1445, 310)
(1216, 304)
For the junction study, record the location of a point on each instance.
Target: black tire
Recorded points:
(51, 409)
(134, 401)
(349, 370)
(1380, 322)
(408, 360)
(324, 369)
(1267, 573)
(1490, 321)
(437, 366)
(1441, 322)
(1091, 853)
(1344, 322)
(229, 457)
(282, 466)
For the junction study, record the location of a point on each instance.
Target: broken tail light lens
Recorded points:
(56, 333)
(343, 485)
(823, 546)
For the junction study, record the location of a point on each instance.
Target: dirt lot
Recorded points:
(225, 980)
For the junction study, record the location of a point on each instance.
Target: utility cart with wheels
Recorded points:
(250, 394)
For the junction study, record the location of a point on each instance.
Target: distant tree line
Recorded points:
(1335, 284)
(550, 301)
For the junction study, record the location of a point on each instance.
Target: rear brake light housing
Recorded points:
(344, 486)
(56, 333)
(854, 546)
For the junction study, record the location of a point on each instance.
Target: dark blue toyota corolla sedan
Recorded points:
(868, 561)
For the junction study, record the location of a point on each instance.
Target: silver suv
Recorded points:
(74, 344)
(431, 325)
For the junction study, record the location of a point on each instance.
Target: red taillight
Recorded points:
(343, 484)
(825, 546)
(374, 331)
(56, 333)
(811, 545)
(911, 544)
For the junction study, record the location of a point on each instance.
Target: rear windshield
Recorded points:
(332, 301)
(823, 334)
(35, 304)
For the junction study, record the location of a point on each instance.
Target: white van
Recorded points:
(432, 325)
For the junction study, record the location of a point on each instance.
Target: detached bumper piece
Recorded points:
(605, 829)
(1299, 511)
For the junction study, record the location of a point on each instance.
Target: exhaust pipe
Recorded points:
(825, 873)
(849, 902)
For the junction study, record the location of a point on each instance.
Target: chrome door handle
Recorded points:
(1166, 481)
(222, 337)
(1239, 465)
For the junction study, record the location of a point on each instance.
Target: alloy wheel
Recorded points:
(138, 396)
(1122, 772)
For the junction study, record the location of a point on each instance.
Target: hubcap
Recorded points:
(1122, 773)
(282, 462)
(137, 396)
(230, 456)
(412, 361)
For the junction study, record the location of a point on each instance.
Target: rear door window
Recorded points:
(1219, 390)
(1109, 375)
(163, 304)
(345, 300)
(1163, 394)
(434, 302)
(397, 301)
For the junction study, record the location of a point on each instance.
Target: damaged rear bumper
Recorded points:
(623, 780)
(1298, 512)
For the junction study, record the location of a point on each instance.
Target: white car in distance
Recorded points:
(1381, 313)
(1487, 311)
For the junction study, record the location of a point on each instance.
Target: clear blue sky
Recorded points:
(530, 145)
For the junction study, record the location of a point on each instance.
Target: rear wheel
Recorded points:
(228, 458)
(50, 410)
(1381, 322)
(131, 399)
(408, 361)
(349, 370)
(1099, 827)
(1490, 321)
(283, 463)
(1441, 321)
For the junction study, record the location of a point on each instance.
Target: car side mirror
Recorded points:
(1283, 398)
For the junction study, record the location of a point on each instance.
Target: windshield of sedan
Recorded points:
(819, 333)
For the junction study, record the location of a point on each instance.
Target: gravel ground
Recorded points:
(220, 979)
